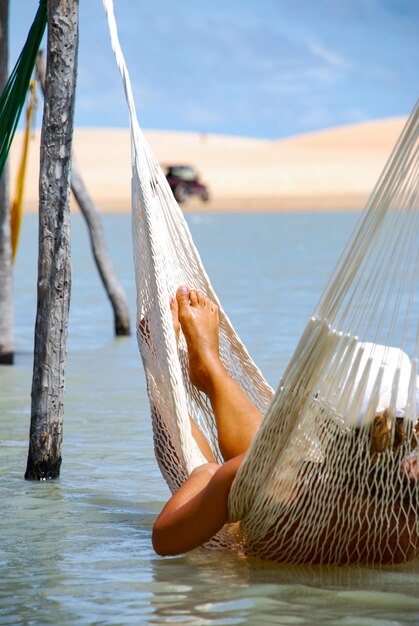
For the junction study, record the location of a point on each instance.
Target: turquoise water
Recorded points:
(77, 551)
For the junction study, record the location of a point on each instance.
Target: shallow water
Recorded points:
(78, 550)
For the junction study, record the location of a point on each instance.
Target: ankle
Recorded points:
(213, 375)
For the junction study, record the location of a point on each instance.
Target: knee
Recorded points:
(208, 469)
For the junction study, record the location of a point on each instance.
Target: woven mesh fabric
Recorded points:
(327, 478)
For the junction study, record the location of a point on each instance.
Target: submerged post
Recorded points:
(54, 273)
(6, 297)
(113, 288)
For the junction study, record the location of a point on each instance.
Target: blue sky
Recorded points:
(262, 68)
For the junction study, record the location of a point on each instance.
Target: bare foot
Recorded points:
(174, 308)
(199, 320)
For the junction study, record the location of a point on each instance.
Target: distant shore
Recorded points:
(334, 169)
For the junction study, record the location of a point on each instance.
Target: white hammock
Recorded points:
(326, 477)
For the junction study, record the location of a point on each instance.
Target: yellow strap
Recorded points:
(17, 204)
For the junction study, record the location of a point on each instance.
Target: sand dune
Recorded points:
(332, 169)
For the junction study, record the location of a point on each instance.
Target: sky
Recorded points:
(259, 68)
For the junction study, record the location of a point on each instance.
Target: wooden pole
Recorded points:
(113, 288)
(54, 272)
(6, 292)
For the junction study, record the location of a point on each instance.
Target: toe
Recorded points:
(182, 297)
(202, 300)
(193, 297)
(174, 307)
(213, 307)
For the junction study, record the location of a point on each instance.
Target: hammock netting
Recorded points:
(328, 477)
(13, 96)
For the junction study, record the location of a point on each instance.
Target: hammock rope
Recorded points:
(17, 204)
(326, 478)
(13, 96)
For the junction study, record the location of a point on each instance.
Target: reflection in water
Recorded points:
(34, 529)
(224, 585)
(78, 551)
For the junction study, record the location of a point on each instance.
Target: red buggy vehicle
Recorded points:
(184, 182)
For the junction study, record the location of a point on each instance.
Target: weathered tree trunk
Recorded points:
(6, 297)
(54, 275)
(113, 288)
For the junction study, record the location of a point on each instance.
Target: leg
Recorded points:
(197, 511)
(196, 432)
(236, 416)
